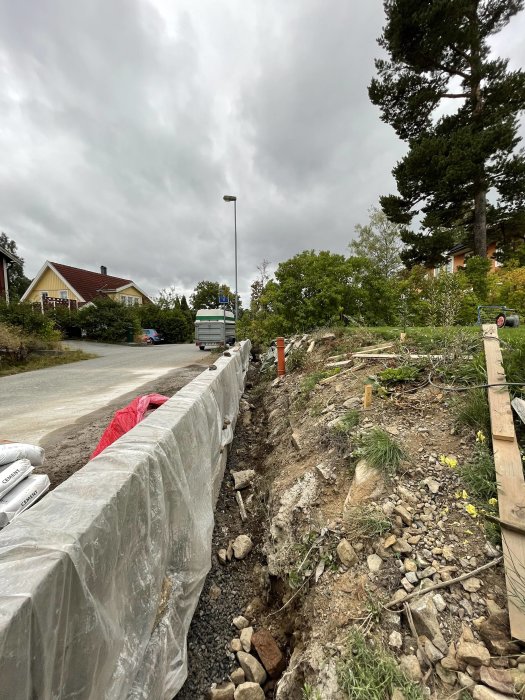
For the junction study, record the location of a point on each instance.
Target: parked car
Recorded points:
(150, 336)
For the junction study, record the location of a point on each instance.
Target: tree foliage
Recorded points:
(439, 53)
(380, 242)
(18, 282)
(206, 296)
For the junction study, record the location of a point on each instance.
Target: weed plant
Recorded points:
(394, 375)
(369, 672)
(381, 451)
(367, 521)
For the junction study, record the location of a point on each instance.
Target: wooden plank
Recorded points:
(501, 420)
(374, 348)
(511, 485)
(519, 406)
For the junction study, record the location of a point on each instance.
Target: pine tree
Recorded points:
(439, 53)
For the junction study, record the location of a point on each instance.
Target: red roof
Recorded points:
(90, 284)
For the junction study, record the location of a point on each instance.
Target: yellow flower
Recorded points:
(448, 461)
(493, 501)
(471, 510)
(480, 437)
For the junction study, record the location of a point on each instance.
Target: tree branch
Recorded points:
(454, 95)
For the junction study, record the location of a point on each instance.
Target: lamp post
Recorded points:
(231, 198)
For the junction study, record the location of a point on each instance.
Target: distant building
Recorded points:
(6, 259)
(63, 285)
(459, 254)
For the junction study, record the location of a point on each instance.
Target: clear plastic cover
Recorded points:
(100, 579)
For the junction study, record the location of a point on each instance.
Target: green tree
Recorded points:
(108, 320)
(439, 52)
(380, 242)
(18, 282)
(206, 296)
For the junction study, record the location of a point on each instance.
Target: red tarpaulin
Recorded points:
(127, 418)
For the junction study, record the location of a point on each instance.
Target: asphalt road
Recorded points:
(34, 404)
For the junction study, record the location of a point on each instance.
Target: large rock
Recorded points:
(426, 622)
(246, 638)
(253, 670)
(269, 653)
(410, 666)
(249, 691)
(495, 632)
(403, 513)
(237, 676)
(242, 546)
(224, 691)
(346, 553)
(473, 654)
(481, 692)
(367, 484)
(374, 563)
(498, 679)
(243, 479)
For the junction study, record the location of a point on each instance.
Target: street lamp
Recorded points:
(231, 198)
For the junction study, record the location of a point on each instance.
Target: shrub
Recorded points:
(107, 320)
(30, 321)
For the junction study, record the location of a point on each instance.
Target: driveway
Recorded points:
(34, 404)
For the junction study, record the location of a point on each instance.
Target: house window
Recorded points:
(128, 300)
(63, 294)
(450, 265)
(44, 295)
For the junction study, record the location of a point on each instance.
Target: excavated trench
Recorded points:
(239, 587)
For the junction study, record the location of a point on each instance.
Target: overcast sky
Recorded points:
(123, 123)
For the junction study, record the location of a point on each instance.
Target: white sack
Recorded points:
(22, 497)
(11, 474)
(11, 451)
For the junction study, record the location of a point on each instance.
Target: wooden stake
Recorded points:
(509, 475)
(242, 509)
(402, 337)
(367, 398)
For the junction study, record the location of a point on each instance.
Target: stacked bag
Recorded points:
(19, 488)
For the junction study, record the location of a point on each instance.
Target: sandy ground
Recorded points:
(69, 448)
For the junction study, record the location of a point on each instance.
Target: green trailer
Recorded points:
(214, 328)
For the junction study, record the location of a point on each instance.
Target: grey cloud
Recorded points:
(125, 121)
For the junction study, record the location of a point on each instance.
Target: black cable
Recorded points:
(446, 387)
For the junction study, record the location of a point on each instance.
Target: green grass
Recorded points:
(381, 451)
(369, 672)
(472, 410)
(311, 380)
(347, 422)
(310, 693)
(479, 475)
(35, 362)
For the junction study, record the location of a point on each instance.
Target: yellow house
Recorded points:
(63, 285)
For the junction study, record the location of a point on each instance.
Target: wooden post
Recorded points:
(402, 337)
(281, 369)
(509, 475)
(367, 398)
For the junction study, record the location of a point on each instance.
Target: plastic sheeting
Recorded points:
(83, 572)
(127, 418)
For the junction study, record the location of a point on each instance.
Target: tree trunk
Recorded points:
(480, 223)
